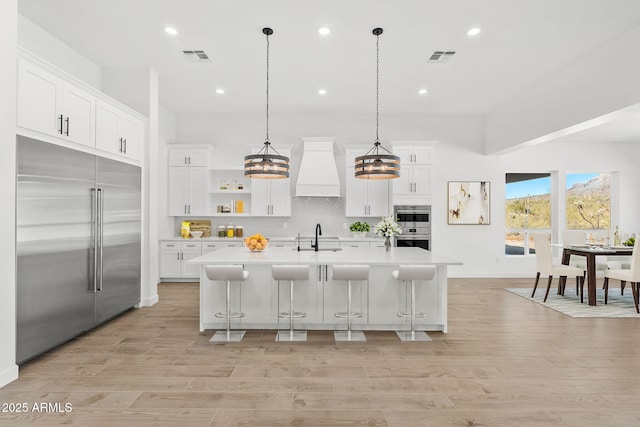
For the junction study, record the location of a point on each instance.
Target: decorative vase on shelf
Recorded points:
(387, 244)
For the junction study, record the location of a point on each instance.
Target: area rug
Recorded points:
(617, 306)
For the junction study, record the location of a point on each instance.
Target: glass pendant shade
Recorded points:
(377, 163)
(266, 165)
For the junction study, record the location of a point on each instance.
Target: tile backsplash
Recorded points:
(306, 212)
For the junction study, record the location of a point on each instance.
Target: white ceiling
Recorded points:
(522, 43)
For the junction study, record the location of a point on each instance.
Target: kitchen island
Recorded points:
(261, 298)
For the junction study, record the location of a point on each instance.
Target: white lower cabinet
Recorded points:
(174, 257)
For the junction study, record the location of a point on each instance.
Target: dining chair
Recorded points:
(631, 275)
(544, 265)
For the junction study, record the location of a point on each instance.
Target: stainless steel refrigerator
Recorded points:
(77, 242)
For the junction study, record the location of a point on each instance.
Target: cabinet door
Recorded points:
(260, 197)
(356, 193)
(423, 155)
(422, 179)
(178, 191)
(169, 260)
(78, 108)
(378, 197)
(108, 128)
(178, 157)
(198, 157)
(405, 154)
(190, 251)
(38, 99)
(197, 191)
(280, 200)
(132, 132)
(403, 185)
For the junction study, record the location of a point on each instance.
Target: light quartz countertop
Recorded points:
(275, 239)
(370, 256)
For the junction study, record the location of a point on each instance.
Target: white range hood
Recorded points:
(318, 176)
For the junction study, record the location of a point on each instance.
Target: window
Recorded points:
(528, 209)
(588, 201)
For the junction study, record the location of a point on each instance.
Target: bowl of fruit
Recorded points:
(256, 243)
(630, 242)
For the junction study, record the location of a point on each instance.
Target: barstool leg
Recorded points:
(291, 335)
(228, 335)
(349, 335)
(413, 335)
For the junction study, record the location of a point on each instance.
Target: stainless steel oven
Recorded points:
(415, 221)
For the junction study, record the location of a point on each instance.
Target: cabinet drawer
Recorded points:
(169, 245)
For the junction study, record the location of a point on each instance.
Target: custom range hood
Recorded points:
(318, 175)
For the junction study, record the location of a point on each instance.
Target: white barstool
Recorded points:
(412, 273)
(349, 273)
(227, 273)
(290, 273)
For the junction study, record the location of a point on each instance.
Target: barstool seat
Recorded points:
(227, 273)
(290, 273)
(411, 273)
(349, 273)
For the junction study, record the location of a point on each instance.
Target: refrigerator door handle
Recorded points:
(100, 233)
(94, 220)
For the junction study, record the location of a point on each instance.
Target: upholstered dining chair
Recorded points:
(631, 275)
(544, 265)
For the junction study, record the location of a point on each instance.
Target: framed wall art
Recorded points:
(469, 202)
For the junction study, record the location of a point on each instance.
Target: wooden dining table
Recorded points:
(590, 252)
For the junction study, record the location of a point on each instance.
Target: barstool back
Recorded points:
(350, 272)
(226, 272)
(415, 272)
(290, 272)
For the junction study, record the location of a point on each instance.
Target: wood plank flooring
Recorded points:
(505, 362)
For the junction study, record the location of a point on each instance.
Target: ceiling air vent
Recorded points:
(196, 56)
(441, 56)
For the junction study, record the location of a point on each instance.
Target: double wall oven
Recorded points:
(415, 221)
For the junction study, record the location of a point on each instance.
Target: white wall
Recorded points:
(44, 45)
(458, 156)
(8, 43)
(603, 81)
(166, 135)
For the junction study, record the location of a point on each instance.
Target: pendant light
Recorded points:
(377, 163)
(267, 163)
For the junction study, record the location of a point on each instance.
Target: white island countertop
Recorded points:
(371, 256)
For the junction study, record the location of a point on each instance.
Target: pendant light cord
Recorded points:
(377, 86)
(267, 140)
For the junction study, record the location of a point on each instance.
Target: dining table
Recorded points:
(590, 252)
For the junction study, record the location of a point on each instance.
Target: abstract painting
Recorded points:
(469, 202)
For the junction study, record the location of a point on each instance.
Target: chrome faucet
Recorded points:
(318, 232)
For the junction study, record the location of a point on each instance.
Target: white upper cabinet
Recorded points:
(52, 106)
(187, 191)
(365, 197)
(118, 132)
(414, 184)
(271, 197)
(189, 156)
(414, 154)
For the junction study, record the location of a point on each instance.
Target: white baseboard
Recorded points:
(148, 302)
(8, 375)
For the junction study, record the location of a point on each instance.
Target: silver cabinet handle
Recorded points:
(178, 256)
(125, 146)
(185, 160)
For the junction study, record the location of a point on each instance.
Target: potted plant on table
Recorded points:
(359, 229)
(387, 228)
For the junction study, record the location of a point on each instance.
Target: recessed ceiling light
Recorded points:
(473, 31)
(219, 91)
(322, 92)
(323, 31)
(422, 91)
(170, 30)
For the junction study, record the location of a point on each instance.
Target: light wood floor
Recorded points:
(505, 362)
